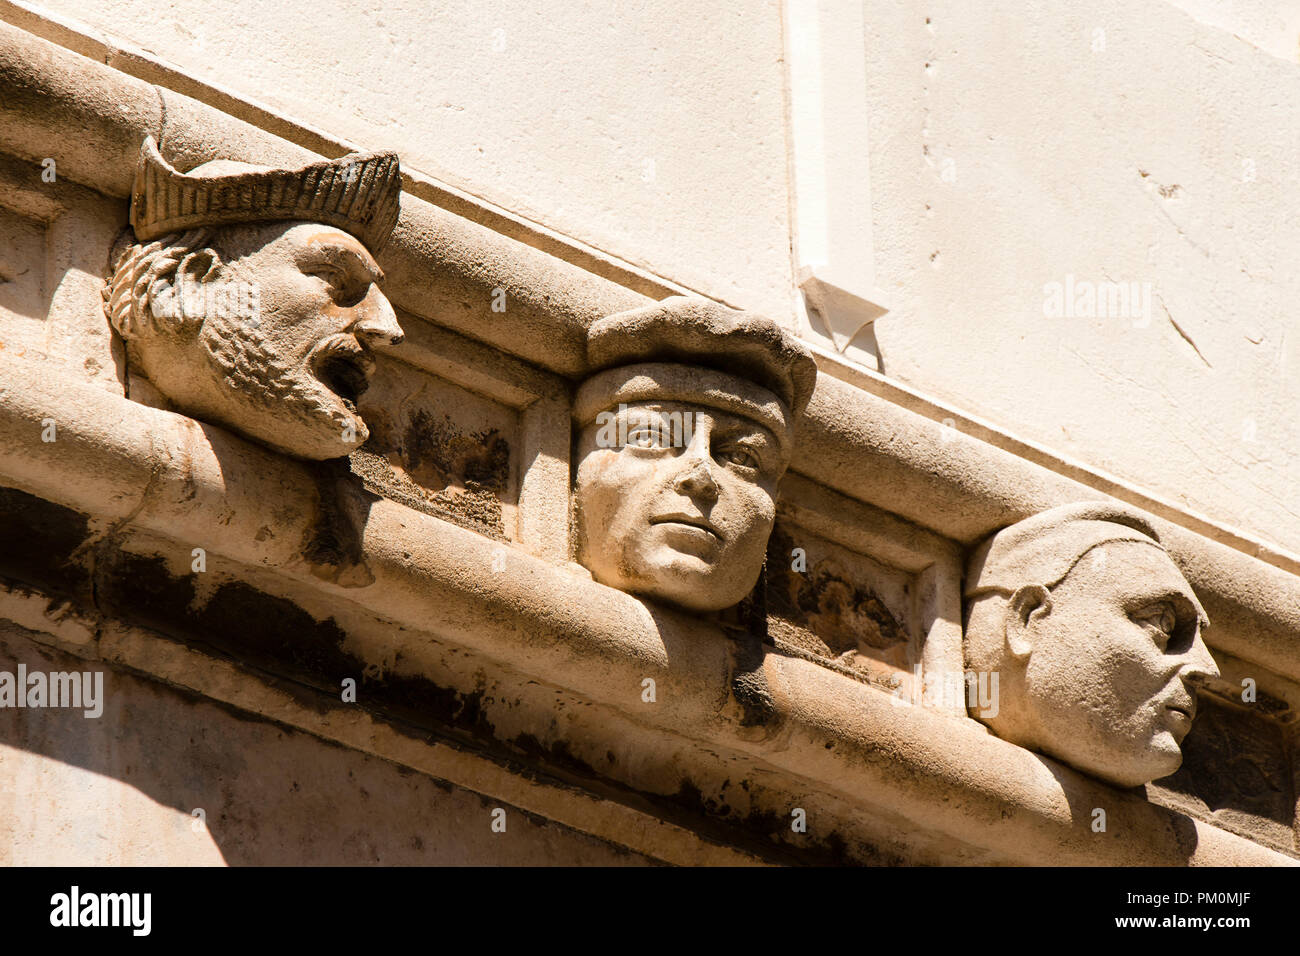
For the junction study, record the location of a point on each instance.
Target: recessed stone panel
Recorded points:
(440, 448)
(22, 272)
(1237, 773)
(839, 604)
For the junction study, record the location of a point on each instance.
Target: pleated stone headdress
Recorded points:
(358, 193)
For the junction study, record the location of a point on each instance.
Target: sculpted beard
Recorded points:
(249, 365)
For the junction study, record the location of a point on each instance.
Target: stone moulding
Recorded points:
(865, 437)
(133, 468)
(130, 465)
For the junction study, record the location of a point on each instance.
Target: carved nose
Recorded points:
(1200, 665)
(377, 322)
(697, 482)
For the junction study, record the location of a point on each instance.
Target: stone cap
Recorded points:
(698, 332)
(1043, 548)
(359, 193)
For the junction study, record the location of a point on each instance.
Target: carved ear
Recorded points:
(200, 266)
(1028, 606)
(177, 294)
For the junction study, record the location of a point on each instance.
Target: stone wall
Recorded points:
(1137, 144)
(360, 656)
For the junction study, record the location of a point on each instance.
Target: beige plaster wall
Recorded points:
(652, 130)
(1272, 25)
(1008, 153)
(1011, 146)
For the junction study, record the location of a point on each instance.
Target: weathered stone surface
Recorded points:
(164, 777)
(440, 448)
(1238, 771)
(248, 300)
(655, 572)
(1095, 637)
(844, 606)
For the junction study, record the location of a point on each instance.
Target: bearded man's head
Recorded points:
(251, 297)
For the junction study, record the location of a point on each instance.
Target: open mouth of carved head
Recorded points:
(344, 366)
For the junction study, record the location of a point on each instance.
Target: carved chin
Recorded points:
(688, 580)
(336, 415)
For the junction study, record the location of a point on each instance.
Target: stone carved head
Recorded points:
(684, 431)
(251, 296)
(1095, 636)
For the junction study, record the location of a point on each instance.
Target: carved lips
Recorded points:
(1179, 708)
(693, 528)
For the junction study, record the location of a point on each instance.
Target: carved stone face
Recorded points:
(681, 514)
(288, 315)
(1109, 656)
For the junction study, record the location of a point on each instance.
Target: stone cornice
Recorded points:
(862, 435)
(133, 466)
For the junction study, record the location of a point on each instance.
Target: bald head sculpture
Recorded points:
(1096, 638)
(250, 298)
(684, 430)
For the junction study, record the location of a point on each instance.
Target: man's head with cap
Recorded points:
(250, 297)
(1095, 636)
(685, 428)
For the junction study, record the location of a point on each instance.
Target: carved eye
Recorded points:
(739, 455)
(1161, 620)
(344, 288)
(646, 435)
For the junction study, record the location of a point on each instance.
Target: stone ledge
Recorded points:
(865, 437)
(141, 652)
(132, 467)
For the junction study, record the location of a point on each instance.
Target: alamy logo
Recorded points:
(55, 689)
(644, 428)
(1083, 299)
(975, 691)
(191, 299)
(102, 909)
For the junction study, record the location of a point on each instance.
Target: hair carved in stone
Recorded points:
(251, 298)
(685, 428)
(1096, 637)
